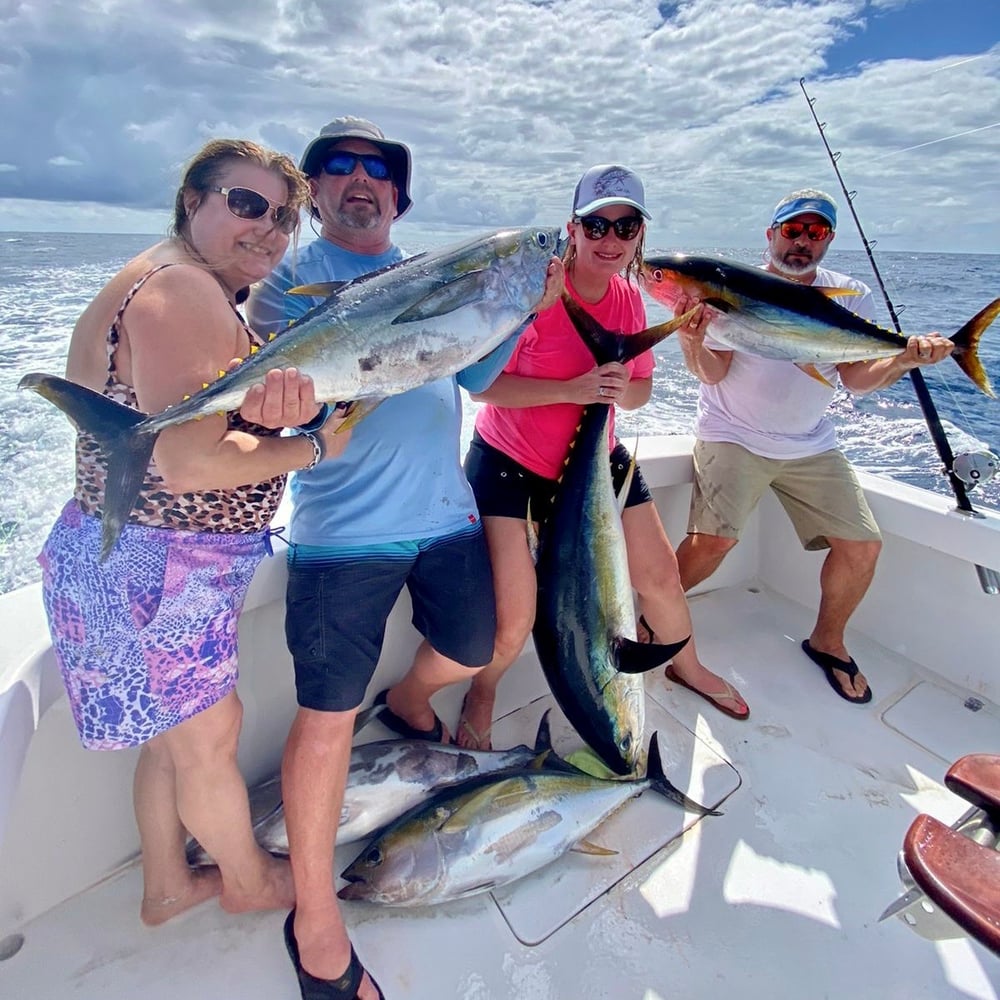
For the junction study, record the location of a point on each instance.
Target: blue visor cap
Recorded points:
(802, 206)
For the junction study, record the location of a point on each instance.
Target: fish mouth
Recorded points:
(355, 888)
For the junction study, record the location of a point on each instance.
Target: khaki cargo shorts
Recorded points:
(821, 494)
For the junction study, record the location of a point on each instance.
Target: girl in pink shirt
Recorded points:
(524, 434)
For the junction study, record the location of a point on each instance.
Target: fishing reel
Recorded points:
(976, 468)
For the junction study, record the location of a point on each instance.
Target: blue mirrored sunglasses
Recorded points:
(340, 163)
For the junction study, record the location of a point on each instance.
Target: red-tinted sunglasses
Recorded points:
(816, 231)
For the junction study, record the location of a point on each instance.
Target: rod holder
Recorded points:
(989, 580)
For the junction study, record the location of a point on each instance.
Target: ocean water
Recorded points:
(46, 280)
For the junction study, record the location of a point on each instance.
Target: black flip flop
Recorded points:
(344, 988)
(398, 725)
(828, 663)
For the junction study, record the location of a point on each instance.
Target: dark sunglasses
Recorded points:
(342, 164)
(245, 203)
(596, 227)
(816, 231)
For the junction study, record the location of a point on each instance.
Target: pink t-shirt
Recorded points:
(538, 437)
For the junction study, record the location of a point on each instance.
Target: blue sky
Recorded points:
(921, 29)
(506, 105)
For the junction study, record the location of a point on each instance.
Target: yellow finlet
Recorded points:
(811, 370)
(588, 847)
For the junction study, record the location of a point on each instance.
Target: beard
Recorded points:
(360, 216)
(361, 213)
(792, 268)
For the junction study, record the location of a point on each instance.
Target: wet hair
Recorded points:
(207, 167)
(633, 267)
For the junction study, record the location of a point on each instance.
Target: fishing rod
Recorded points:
(989, 579)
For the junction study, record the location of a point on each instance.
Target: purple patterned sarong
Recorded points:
(147, 638)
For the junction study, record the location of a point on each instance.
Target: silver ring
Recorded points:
(602, 391)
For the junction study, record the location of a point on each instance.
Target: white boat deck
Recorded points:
(777, 898)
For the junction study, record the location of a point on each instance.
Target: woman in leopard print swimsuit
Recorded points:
(146, 640)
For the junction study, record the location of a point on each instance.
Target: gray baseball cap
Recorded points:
(609, 184)
(396, 154)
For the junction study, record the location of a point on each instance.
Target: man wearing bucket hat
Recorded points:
(763, 423)
(360, 185)
(394, 510)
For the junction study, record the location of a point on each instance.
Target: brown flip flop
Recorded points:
(728, 693)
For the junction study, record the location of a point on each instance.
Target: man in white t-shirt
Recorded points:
(763, 423)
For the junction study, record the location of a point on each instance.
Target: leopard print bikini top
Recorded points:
(240, 510)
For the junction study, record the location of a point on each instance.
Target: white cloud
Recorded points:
(506, 102)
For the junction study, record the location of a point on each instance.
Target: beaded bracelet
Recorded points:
(318, 450)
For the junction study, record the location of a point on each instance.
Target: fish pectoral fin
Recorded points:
(836, 293)
(813, 372)
(587, 762)
(532, 534)
(720, 305)
(324, 288)
(505, 793)
(476, 889)
(622, 496)
(463, 291)
(586, 847)
(633, 657)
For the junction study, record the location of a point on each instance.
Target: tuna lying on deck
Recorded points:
(489, 831)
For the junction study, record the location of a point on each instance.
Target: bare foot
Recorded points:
(277, 891)
(475, 722)
(854, 687)
(203, 884)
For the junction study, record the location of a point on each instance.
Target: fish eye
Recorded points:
(543, 239)
(373, 857)
(657, 274)
(626, 743)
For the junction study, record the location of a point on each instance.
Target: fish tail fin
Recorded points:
(633, 657)
(966, 342)
(127, 465)
(662, 784)
(113, 425)
(543, 738)
(607, 345)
